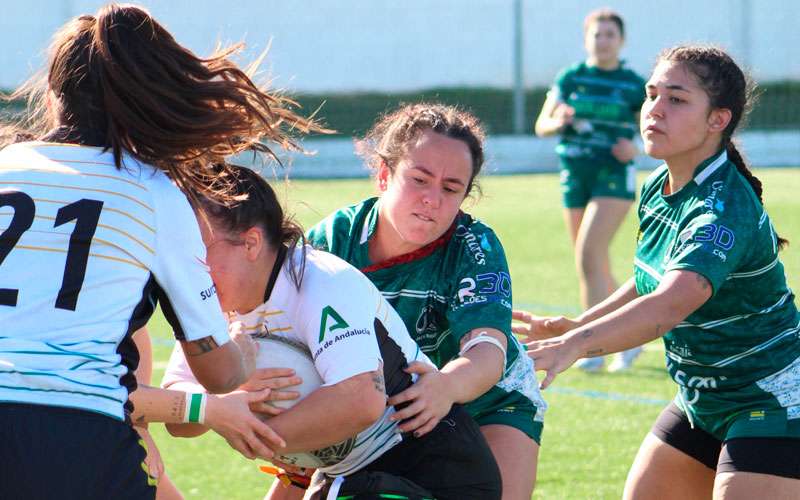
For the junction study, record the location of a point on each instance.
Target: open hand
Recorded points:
(540, 327)
(552, 356)
(153, 460)
(230, 416)
(429, 400)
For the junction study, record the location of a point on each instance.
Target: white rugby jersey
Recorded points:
(349, 329)
(85, 252)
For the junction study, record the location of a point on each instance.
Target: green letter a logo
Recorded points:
(331, 313)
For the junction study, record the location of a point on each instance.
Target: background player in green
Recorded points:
(594, 106)
(447, 276)
(708, 279)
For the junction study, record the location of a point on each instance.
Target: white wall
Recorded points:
(339, 45)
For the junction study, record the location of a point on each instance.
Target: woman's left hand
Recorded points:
(624, 150)
(552, 356)
(429, 400)
(153, 460)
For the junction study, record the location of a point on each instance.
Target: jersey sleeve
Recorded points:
(187, 294)
(317, 236)
(337, 318)
(713, 245)
(482, 297)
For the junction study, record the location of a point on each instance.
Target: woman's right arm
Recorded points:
(637, 322)
(555, 115)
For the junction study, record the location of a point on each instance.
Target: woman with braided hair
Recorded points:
(708, 279)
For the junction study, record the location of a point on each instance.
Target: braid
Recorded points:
(736, 158)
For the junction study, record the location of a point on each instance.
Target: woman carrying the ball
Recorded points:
(593, 107)
(446, 275)
(277, 287)
(708, 279)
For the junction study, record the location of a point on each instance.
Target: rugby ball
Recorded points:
(280, 352)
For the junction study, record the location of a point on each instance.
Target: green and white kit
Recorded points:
(606, 104)
(442, 292)
(736, 359)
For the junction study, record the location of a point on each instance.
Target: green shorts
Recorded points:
(583, 180)
(767, 408)
(497, 407)
(518, 418)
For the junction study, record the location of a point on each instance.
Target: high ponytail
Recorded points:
(727, 87)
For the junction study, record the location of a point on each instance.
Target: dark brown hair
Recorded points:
(121, 81)
(727, 87)
(604, 14)
(253, 203)
(389, 139)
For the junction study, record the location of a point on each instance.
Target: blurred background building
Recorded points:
(494, 57)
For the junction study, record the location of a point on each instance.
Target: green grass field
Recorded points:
(595, 422)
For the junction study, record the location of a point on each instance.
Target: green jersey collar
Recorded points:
(701, 173)
(371, 221)
(709, 166)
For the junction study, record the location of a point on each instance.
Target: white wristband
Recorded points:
(195, 408)
(481, 338)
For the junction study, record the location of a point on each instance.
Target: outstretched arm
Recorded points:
(532, 327)
(635, 323)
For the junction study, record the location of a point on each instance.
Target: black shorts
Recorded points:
(62, 453)
(773, 456)
(452, 462)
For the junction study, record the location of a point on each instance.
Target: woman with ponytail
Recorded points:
(708, 279)
(93, 231)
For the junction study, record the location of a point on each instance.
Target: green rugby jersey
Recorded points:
(606, 104)
(441, 295)
(732, 347)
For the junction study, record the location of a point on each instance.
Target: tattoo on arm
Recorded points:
(377, 379)
(592, 352)
(200, 346)
(178, 409)
(704, 284)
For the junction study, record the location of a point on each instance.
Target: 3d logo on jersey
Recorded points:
(339, 323)
(485, 287)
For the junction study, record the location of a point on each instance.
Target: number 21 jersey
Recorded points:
(86, 249)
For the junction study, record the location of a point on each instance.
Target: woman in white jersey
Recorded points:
(93, 231)
(276, 286)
